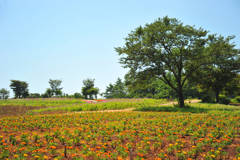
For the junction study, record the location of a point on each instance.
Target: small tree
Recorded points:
(20, 88)
(55, 86)
(88, 90)
(78, 95)
(48, 93)
(4, 94)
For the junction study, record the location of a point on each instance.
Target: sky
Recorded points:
(73, 40)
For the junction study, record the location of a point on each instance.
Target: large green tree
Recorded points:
(163, 46)
(224, 67)
(20, 88)
(4, 94)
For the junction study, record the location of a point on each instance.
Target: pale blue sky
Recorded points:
(73, 40)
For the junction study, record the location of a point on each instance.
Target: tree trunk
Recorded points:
(217, 95)
(181, 98)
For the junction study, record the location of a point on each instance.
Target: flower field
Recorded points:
(121, 135)
(41, 102)
(19, 107)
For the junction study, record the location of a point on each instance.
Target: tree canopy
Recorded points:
(163, 46)
(4, 94)
(20, 88)
(55, 87)
(224, 67)
(88, 89)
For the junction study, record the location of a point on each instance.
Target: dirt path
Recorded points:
(130, 109)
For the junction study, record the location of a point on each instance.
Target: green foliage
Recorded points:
(55, 87)
(222, 71)
(4, 94)
(112, 105)
(78, 96)
(116, 90)
(207, 98)
(232, 88)
(223, 99)
(193, 108)
(163, 46)
(88, 90)
(20, 88)
(34, 95)
(236, 99)
(48, 93)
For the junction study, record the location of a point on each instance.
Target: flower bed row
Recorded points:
(121, 135)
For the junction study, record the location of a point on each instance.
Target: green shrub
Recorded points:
(149, 95)
(237, 99)
(207, 98)
(223, 99)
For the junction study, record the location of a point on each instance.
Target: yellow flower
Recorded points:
(36, 156)
(212, 156)
(25, 155)
(220, 149)
(45, 157)
(15, 156)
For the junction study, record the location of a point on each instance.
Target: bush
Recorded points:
(207, 98)
(237, 99)
(223, 99)
(149, 95)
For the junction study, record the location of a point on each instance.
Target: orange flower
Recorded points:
(74, 155)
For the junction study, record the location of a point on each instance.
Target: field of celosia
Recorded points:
(121, 135)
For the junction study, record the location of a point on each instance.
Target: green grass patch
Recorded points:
(192, 108)
(113, 104)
